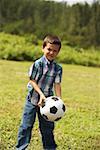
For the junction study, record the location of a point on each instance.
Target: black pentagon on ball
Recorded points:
(53, 110)
(55, 98)
(63, 107)
(45, 117)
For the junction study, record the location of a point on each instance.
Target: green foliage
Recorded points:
(15, 27)
(79, 23)
(28, 47)
(79, 56)
(18, 48)
(77, 130)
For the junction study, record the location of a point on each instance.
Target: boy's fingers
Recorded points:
(41, 103)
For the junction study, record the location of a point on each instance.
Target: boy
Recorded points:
(45, 75)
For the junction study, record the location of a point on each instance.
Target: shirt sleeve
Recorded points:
(58, 77)
(33, 71)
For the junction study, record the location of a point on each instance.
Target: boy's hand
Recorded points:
(42, 99)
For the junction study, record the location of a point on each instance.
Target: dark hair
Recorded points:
(52, 39)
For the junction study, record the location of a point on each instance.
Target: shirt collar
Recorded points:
(47, 62)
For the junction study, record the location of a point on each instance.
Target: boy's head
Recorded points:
(51, 47)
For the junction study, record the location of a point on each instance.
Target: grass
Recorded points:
(79, 129)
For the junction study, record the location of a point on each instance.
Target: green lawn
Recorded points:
(79, 129)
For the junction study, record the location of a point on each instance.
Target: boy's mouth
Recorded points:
(51, 57)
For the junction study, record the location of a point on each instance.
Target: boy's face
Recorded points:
(51, 51)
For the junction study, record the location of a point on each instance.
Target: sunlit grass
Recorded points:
(79, 129)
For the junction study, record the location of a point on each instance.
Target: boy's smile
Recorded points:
(51, 51)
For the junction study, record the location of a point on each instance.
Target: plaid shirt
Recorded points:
(45, 73)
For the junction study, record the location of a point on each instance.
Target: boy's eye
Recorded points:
(55, 51)
(49, 49)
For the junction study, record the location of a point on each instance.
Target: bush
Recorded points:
(28, 48)
(18, 48)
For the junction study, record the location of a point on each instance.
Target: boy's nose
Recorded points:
(51, 52)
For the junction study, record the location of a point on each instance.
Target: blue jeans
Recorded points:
(25, 129)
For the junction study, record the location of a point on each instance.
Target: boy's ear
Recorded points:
(42, 49)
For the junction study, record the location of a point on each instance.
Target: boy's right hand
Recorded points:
(42, 99)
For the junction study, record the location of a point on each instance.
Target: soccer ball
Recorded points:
(53, 108)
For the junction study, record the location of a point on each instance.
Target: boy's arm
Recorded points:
(57, 89)
(37, 89)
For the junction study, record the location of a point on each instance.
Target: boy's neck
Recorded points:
(49, 61)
